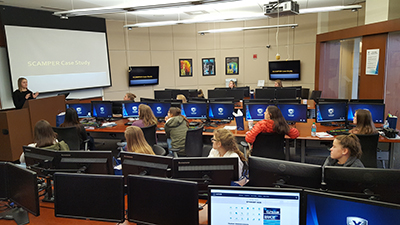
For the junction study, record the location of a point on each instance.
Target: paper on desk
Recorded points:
(230, 127)
(323, 135)
(109, 124)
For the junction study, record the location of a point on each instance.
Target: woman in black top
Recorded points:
(23, 93)
(72, 120)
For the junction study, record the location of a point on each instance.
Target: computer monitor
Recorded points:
(154, 200)
(255, 111)
(41, 160)
(102, 109)
(194, 110)
(265, 93)
(325, 208)
(220, 111)
(237, 94)
(250, 205)
(331, 112)
(205, 171)
(160, 109)
(163, 94)
(22, 188)
(193, 93)
(3, 181)
(95, 162)
(176, 92)
(375, 183)
(130, 109)
(117, 106)
(82, 109)
(144, 164)
(266, 172)
(367, 101)
(246, 90)
(294, 112)
(217, 93)
(287, 101)
(377, 111)
(149, 100)
(286, 93)
(88, 196)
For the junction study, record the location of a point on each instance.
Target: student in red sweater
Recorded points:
(274, 122)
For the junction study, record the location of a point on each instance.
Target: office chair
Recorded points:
(150, 134)
(194, 142)
(369, 145)
(70, 136)
(269, 145)
(158, 150)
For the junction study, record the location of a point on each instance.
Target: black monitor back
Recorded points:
(176, 92)
(117, 106)
(378, 101)
(246, 90)
(88, 196)
(94, 162)
(163, 94)
(237, 94)
(22, 188)
(149, 100)
(143, 164)
(383, 184)
(39, 159)
(153, 200)
(3, 181)
(265, 93)
(217, 93)
(286, 93)
(266, 172)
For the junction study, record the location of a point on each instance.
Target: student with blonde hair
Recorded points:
(22, 93)
(225, 145)
(346, 151)
(135, 141)
(181, 97)
(146, 117)
(278, 83)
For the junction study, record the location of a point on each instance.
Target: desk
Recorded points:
(304, 129)
(47, 217)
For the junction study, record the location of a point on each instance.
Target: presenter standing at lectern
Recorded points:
(23, 93)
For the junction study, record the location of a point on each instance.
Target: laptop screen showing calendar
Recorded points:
(250, 206)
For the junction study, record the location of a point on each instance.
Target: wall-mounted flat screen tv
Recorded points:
(143, 75)
(284, 70)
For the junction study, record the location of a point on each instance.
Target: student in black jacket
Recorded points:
(23, 93)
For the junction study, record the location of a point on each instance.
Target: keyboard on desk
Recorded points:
(339, 131)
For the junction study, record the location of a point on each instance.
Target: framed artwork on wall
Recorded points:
(185, 68)
(208, 66)
(232, 65)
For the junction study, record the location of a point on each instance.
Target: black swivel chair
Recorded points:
(194, 142)
(369, 145)
(269, 145)
(70, 136)
(158, 150)
(150, 134)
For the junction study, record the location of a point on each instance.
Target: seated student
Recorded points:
(72, 120)
(181, 97)
(146, 117)
(232, 84)
(363, 121)
(346, 151)
(273, 122)
(175, 128)
(225, 145)
(22, 93)
(278, 83)
(129, 97)
(135, 141)
(200, 93)
(45, 137)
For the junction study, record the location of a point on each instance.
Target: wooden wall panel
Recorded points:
(373, 86)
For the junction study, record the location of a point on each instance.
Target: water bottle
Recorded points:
(313, 130)
(386, 124)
